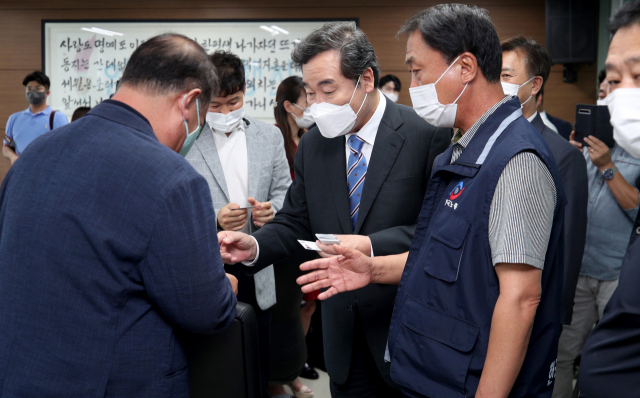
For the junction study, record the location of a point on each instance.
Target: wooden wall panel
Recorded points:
(20, 35)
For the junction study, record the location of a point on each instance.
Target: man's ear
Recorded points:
(469, 66)
(368, 80)
(537, 85)
(188, 100)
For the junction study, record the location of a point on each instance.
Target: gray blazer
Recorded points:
(269, 179)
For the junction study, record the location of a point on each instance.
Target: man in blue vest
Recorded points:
(476, 313)
(611, 356)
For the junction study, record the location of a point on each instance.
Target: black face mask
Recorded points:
(36, 98)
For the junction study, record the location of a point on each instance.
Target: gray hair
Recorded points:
(356, 52)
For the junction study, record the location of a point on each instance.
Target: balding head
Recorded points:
(169, 64)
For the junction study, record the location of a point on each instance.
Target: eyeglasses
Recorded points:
(39, 89)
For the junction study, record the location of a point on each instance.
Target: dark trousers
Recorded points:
(247, 294)
(364, 379)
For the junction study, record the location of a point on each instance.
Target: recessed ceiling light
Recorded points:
(103, 31)
(279, 29)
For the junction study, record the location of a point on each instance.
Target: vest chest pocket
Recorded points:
(442, 254)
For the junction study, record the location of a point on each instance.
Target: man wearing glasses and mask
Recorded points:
(25, 126)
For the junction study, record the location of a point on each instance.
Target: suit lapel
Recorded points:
(538, 123)
(207, 146)
(254, 156)
(385, 151)
(336, 163)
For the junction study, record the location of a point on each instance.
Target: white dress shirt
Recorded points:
(530, 118)
(232, 151)
(547, 122)
(368, 132)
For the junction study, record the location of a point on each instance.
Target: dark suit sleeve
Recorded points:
(279, 238)
(183, 272)
(398, 239)
(573, 173)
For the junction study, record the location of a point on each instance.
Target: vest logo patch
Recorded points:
(453, 195)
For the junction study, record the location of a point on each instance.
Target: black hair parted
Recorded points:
(537, 58)
(171, 63)
(391, 78)
(39, 77)
(230, 71)
(626, 15)
(356, 52)
(453, 29)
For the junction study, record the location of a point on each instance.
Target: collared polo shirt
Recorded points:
(24, 127)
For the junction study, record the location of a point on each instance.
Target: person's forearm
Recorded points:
(508, 340)
(625, 194)
(9, 153)
(388, 269)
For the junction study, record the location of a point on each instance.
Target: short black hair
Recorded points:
(230, 70)
(601, 76)
(171, 63)
(453, 29)
(79, 112)
(537, 58)
(39, 77)
(356, 52)
(391, 78)
(626, 15)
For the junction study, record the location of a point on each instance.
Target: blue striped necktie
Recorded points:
(355, 176)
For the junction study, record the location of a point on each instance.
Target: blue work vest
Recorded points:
(442, 316)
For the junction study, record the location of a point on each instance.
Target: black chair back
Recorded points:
(226, 364)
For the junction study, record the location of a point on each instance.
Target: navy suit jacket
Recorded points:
(564, 128)
(108, 250)
(573, 172)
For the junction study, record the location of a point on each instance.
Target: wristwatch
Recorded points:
(609, 173)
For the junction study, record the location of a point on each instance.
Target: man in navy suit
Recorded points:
(108, 241)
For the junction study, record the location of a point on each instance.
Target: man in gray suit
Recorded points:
(244, 163)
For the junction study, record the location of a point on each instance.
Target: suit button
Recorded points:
(638, 231)
(350, 307)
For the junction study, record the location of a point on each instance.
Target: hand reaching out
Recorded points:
(349, 270)
(236, 247)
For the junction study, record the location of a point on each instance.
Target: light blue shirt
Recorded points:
(24, 127)
(609, 225)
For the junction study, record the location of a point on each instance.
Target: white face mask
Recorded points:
(602, 102)
(624, 107)
(427, 106)
(336, 120)
(512, 89)
(392, 96)
(225, 123)
(306, 120)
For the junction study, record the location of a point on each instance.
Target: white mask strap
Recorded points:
(527, 100)
(445, 72)
(355, 89)
(527, 82)
(465, 87)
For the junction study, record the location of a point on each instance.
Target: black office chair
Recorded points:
(226, 364)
